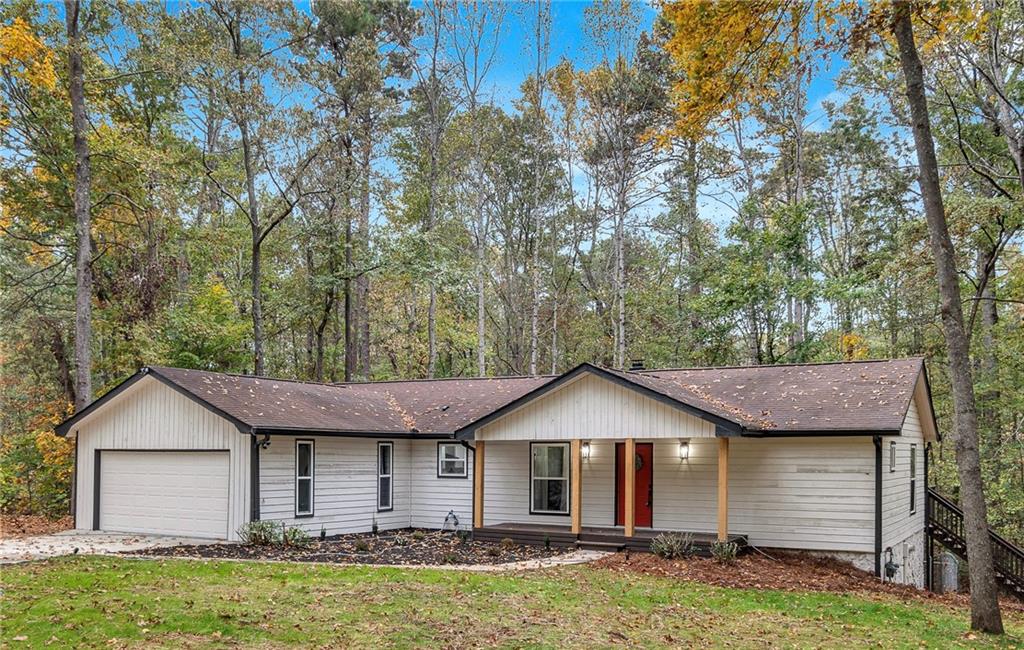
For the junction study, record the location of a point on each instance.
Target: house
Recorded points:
(829, 458)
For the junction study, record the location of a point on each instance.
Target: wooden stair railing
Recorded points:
(945, 523)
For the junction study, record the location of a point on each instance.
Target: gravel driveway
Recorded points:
(70, 542)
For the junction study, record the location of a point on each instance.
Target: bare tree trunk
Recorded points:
(541, 51)
(985, 613)
(82, 208)
(363, 280)
(620, 280)
(256, 269)
(481, 343)
(350, 342)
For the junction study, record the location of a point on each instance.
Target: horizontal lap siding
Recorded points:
(507, 486)
(804, 493)
(809, 493)
(593, 408)
(433, 497)
(344, 485)
(150, 415)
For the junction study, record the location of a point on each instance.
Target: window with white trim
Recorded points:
(892, 456)
(303, 478)
(451, 460)
(385, 482)
(913, 479)
(549, 478)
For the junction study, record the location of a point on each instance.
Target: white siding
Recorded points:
(150, 415)
(801, 493)
(590, 408)
(902, 530)
(434, 497)
(344, 484)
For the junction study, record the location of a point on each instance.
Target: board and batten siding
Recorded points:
(591, 407)
(800, 493)
(902, 530)
(152, 416)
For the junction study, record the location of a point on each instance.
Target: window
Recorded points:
(385, 486)
(303, 478)
(549, 478)
(913, 479)
(892, 456)
(451, 460)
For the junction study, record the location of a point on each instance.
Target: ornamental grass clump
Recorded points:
(725, 552)
(260, 533)
(672, 546)
(294, 537)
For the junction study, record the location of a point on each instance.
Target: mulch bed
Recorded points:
(778, 570)
(407, 546)
(12, 526)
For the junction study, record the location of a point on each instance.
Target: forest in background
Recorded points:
(339, 195)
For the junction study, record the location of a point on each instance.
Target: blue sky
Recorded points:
(515, 54)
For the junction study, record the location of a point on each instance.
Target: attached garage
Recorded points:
(164, 492)
(153, 460)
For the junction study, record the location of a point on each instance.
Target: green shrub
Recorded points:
(418, 535)
(672, 545)
(260, 533)
(725, 552)
(362, 546)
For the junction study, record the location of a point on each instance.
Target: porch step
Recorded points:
(611, 547)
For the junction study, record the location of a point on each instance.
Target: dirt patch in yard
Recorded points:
(778, 570)
(12, 526)
(410, 547)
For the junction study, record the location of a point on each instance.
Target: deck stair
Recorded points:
(945, 523)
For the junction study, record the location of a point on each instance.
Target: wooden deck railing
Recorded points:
(945, 522)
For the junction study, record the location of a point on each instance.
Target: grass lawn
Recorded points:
(99, 601)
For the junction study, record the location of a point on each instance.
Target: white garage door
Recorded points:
(165, 492)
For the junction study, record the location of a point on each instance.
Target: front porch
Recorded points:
(592, 537)
(583, 493)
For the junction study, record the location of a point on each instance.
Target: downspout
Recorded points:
(254, 476)
(878, 505)
(74, 488)
(927, 518)
(472, 485)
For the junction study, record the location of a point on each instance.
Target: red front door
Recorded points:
(644, 495)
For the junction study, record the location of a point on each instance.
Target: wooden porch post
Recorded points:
(576, 490)
(723, 489)
(478, 485)
(629, 464)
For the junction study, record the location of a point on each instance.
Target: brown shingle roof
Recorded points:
(418, 406)
(863, 395)
(859, 396)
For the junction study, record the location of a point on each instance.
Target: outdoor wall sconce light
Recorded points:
(585, 450)
(684, 449)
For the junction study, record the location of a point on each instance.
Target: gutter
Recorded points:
(304, 431)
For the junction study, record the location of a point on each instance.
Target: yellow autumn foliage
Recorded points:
(25, 56)
(725, 53)
(853, 347)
